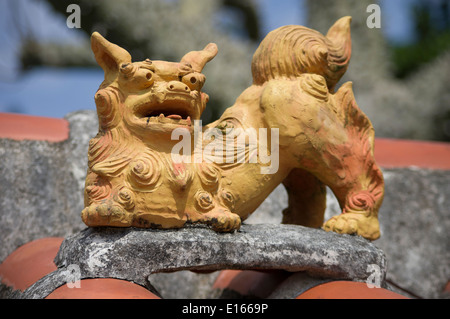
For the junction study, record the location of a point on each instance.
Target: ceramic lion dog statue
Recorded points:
(320, 136)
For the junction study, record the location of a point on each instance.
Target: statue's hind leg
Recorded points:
(349, 169)
(306, 199)
(360, 200)
(334, 142)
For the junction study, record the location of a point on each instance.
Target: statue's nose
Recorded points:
(178, 86)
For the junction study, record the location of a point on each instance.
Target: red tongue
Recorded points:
(175, 117)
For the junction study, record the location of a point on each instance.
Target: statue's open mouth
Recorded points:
(170, 117)
(176, 109)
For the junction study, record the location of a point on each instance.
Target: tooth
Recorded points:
(161, 115)
(188, 120)
(194, 94)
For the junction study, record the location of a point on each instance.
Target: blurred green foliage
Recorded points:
(432, 37)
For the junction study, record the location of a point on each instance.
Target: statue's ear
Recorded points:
(108, 55)
(198, 59)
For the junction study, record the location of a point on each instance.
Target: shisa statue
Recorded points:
(153, 165)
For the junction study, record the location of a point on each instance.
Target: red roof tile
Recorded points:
(26, 127)
(393, 153)
(348, 290)
(30, 262)
(103, 288)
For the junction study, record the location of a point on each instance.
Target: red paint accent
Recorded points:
(103, 288)
(394, 153)
(348, 290)
(30, 262)
(178, 168)
(27, 127)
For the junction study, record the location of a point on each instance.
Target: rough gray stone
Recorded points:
(7, 292)
(195, 285)
(415, 230)
(295, 285)
(42, 185)
(270, 211)
(134, 254)
(39, 197)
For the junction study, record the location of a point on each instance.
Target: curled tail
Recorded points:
(293, 50)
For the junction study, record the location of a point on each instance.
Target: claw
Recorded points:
(354, 223)
(106, 215)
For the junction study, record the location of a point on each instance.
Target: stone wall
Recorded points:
(42, 185)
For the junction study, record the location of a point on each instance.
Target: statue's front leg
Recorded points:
(105, 206)
(221, 220)
(106, 213)
(209, 210)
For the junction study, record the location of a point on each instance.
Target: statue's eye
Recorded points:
(126, 68)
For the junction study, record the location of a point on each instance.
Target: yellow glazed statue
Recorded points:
(153, 165)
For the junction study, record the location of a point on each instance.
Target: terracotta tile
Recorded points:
(394, 153)
(348, 290)
(103, 288)
(26, 127)
(30, 262)
(224, 278)
(250, 282)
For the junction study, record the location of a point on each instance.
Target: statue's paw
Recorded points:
(354, 224)
(222, 220)
(105, 214)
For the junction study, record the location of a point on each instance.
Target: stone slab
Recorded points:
(133, 254)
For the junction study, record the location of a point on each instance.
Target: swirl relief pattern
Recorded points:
(145, 172)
